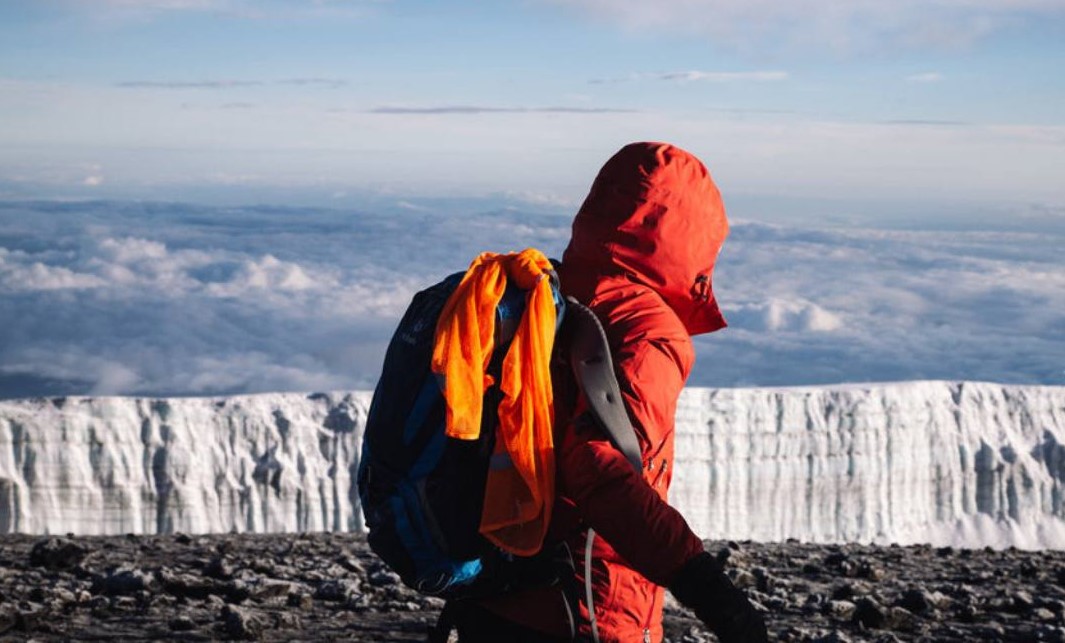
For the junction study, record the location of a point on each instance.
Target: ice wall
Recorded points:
(948, 463)
(960, 463)
(258, 463)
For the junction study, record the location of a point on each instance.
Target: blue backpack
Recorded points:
(421, 491)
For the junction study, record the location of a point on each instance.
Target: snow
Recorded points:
(966, 464)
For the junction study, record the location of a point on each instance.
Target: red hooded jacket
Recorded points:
(641, 256)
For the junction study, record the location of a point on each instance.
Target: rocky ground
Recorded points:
(330, 587)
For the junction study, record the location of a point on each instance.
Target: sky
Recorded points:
(203, 197)
(869, 109)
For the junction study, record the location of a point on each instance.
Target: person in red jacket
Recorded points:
(641, 256)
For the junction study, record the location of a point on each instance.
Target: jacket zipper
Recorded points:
(589, 595)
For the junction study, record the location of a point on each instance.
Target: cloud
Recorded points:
(779, 315)
(149, 298)
(199, 84)
(926, 77)
(707, 76)
(724, 76)
(230, 84)
(926, 122)
(242, 9)
(306, 82)
(166, 5)
(764, 26)
(19, 273)
(483, 109)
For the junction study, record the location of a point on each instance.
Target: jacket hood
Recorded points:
(654, 217)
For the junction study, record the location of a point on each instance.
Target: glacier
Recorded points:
(968, 464)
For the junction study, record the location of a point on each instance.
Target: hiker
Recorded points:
(642, 251)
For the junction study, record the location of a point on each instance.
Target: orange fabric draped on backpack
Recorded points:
(519, 494)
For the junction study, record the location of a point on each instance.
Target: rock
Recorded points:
(337, 590)
(351, 564)
(287, 621)
(181, 624)
(300, 601)
(844, 592)
(126, 581)
(695, 635)
(917, 600)
(901, 619)
(742, 578)
(265, 590)
(188, 585)
(870, 614)
(1021, 601)
(1056, 606)
(967, 613)
(383, 577)
(8, 619)
(992, 631)
(834, 636)
(840, 610)
(57, 553)
(835, 559)
(1050, 634)
(235, 591)
(812, 569)
(871, 571)
(242, 624)
(218, 568)
(765, 582)
(30, 620)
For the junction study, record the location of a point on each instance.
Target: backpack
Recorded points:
(422, 491)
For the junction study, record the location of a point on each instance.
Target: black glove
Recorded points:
(703, 587)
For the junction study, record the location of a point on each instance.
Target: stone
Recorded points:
(242, 624)
(337, 590)
(181, 624)
(916, 600)
(840, 610)
(742, 578)
(127, 581)
(57, 553)
(218, 568)
(870, 614)
(300, 601)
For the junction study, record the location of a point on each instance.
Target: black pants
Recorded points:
(478, 625)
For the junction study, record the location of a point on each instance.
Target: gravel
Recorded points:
(286, 587)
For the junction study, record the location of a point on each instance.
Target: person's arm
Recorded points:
(616, 501)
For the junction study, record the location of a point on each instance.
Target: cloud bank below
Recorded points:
(171, 299)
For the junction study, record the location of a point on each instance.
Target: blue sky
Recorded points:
(882, 109)
(895, 173)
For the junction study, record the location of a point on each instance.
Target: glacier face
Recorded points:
(257, 463)
(967, 464)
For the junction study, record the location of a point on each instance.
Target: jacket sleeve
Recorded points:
(610, 496)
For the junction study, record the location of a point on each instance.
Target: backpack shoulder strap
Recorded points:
(589, 355)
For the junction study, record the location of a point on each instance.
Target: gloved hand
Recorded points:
(703, 587)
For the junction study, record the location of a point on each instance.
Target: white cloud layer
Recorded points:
(758, 25)
(127, 298)
(241, 9)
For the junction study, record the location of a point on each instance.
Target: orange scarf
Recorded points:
(518, 494)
